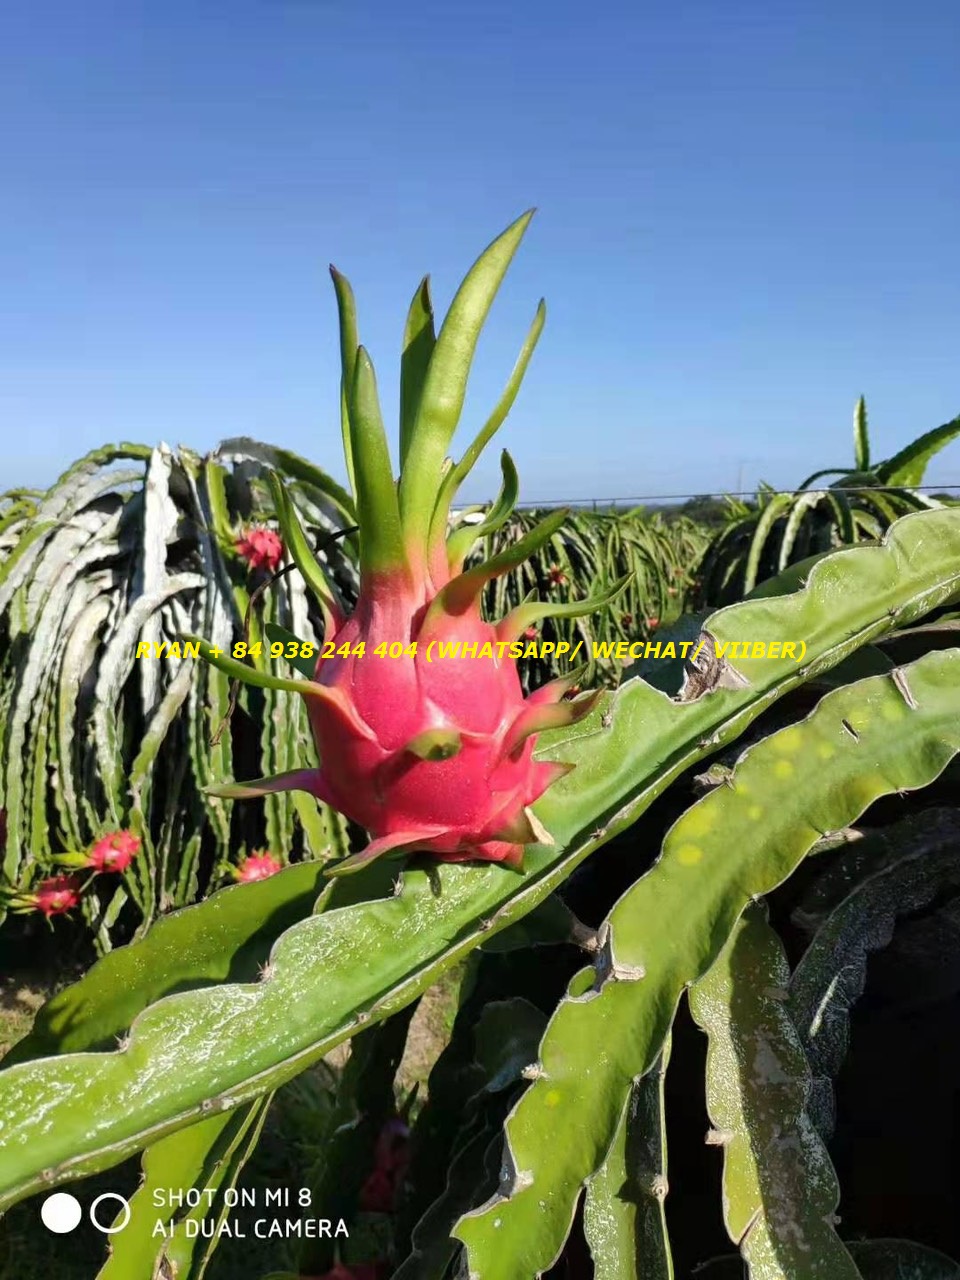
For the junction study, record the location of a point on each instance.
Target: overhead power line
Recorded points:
(748, 493)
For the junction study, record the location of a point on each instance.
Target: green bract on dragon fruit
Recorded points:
(427, 751)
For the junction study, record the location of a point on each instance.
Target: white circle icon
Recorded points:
(110, 1195)
(60, 1212)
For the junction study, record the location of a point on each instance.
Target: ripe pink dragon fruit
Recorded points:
(261, 548)
(54, 896)
(257, 866)
(423, 732)
(356, 1271)
(381, 1189)
(113, 852)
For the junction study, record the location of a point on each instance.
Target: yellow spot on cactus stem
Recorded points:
(698, 821)
(783, 769)
(553, 1098)
(867, 789)
(688, 855)
(755, 811)
(788, 741)
(826, 751)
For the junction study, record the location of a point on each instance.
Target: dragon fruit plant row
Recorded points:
(432, 756)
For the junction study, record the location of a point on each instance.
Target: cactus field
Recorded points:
(403, 888)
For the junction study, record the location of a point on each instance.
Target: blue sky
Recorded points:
(747, 215)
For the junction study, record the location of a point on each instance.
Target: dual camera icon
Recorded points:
(61, 1213)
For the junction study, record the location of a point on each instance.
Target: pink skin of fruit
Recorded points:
(56, 895)
(257, 866)
(359, 1271)
(472, 805)
(261, 548)
(391, 1157)
(113, 852)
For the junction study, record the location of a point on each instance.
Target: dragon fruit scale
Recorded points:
(423, 732)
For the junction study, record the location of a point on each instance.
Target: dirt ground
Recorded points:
(20, 998)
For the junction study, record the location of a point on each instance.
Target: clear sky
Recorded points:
(748, 214)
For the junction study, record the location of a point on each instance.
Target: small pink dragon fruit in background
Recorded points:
(257, 866)
(261, 548)
(391, 1157)
(423, 732)
(356, 1271)
(52, 896)
(113, 852)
